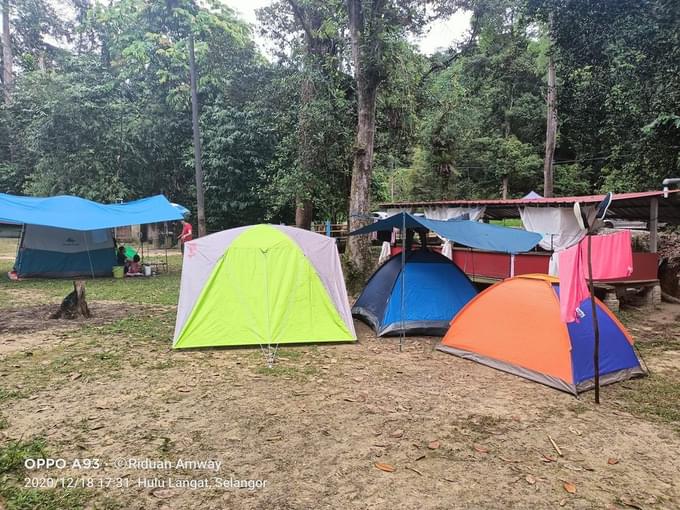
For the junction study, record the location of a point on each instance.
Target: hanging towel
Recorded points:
(612, 257)
(385, 252)
(447, 250)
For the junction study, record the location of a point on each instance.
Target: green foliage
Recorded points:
(13, 454)
(619, 69)
(101, 104)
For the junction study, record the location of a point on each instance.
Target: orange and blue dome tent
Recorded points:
(515, 326)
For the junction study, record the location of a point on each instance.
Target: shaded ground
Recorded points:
(457, 434)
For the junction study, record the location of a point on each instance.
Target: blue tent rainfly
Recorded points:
(75, 213)
(468, 233)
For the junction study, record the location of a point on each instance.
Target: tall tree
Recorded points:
(198, 165)
(314, 95)
(366, 27)
(7, 57)
(551, 125)
(321, 43)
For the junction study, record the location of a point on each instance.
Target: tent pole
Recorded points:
(596, 326)
(403, 280)
(88, 253)
(20, 242)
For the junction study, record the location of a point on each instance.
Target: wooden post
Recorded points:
(74, 304)
(654, 225)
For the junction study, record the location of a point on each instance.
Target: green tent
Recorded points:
(262, 285)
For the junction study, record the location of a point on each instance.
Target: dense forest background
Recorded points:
(98, 103)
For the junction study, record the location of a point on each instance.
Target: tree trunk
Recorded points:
(74, 304)
(551, 131)
(7, 75)
(362, 169)
(505, 187)
(200, 193)
(304, 211)
(307, 152)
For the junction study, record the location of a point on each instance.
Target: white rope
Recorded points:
(269, 355)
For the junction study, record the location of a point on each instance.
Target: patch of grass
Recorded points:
(156, 327)
(21, 498)
(4, 423)
(15, 496)
(13, 454)
(294, 372)
(291, 354)
(6, 394)
(656, 397)
(508, 222)
(162, 289)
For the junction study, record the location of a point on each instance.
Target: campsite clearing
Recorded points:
(330, 426)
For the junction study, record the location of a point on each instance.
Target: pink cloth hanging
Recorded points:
(612, 257)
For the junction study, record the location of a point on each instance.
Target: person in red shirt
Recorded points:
(186, 235)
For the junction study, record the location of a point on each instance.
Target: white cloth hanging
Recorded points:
(558, 226)
(385, 252)
(447, 250)
(443, 212)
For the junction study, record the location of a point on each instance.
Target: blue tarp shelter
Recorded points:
(420, 291)
(468, 233)
(67, 236)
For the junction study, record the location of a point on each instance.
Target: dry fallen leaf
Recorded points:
(162, 493)
(433, 445)
(388, 468)
(548, 458)
(575, 431)
(349, 399)
(611, 461)
(570, 487)
(480, 449)
(397, 433)
(530, 479)
(76, 376)
(511, 461)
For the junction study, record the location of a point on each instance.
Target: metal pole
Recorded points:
(403, 280)
(596, 326)
(653, 225)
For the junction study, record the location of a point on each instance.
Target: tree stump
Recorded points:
(74, 304)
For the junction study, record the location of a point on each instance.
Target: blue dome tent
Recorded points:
(419, 292)
(435, 289)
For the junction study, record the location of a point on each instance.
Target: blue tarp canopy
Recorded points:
(468, 233)
(75, 213)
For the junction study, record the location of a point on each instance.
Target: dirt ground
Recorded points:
(313, 428)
